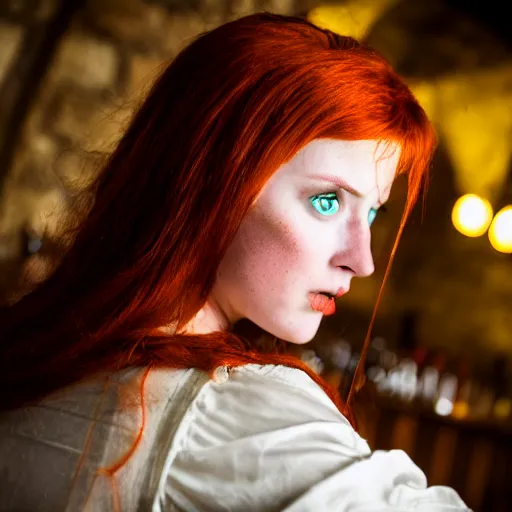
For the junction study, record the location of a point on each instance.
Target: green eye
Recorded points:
(371, 215)
(325, 204)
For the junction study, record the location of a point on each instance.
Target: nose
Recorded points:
(356, 255)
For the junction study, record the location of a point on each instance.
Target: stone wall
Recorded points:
(103, 64)
(23, 25)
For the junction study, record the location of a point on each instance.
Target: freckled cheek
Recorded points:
(269, 256)
(278, 252)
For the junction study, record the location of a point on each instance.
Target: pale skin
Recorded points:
(308, 231)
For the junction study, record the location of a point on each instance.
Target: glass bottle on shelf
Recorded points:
(446, 390)
(465, 386)
(502, 407)
(428, 381)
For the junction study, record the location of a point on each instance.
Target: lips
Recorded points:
(341, 292)
(324, 302)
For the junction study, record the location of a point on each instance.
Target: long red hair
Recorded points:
(229, 110)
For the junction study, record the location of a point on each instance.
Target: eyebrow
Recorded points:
(335, 180)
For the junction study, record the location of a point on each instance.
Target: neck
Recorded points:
(209, 318)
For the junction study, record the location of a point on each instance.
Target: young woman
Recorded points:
(244, 188)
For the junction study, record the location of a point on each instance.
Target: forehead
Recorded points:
(367, 164)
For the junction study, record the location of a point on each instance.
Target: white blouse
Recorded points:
(267, 438)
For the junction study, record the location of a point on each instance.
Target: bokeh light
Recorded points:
(444, 407)
(500, 232)
(471, 215)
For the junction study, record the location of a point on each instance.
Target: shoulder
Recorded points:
(247, 438)
(256, 398)
(254, 390)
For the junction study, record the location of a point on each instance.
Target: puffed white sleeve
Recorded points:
(268, 439)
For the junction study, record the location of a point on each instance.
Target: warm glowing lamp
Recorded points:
(500, 232)
(471, 215)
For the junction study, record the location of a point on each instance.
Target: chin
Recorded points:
(300, 333)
